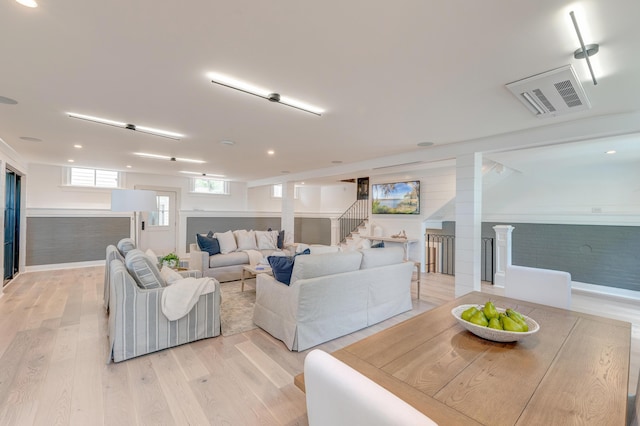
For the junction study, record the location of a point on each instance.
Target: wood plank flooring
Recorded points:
(53, 353)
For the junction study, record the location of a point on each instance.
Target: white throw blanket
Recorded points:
(255, 257)
(179, 297)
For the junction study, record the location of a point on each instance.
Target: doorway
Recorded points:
(12, 225)
(158, 229)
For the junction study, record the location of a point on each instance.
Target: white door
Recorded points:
(158, 228)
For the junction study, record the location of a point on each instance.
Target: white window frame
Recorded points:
(277, 193)
(68, 178)
(157, 216)
(225, 184)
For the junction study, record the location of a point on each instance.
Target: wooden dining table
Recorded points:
(574, 370)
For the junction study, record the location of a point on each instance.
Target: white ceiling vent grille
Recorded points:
(552, 93)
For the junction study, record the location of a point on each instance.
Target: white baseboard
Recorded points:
(54, 266)
(618, 293)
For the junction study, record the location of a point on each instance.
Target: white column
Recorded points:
(503, 252)
(335, 231)
(468, 223)
(287, 220)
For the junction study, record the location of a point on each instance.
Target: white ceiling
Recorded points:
(388, 74)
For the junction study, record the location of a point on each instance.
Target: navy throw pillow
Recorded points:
(208, 244)
(379, 245)
(281, 240)
(282, 266)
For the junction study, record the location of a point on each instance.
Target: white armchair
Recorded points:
(543, 286)
(338, 395)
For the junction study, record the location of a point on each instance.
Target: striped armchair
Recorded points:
(137, 325)
(112, 253)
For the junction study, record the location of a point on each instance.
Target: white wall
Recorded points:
(46, 191)
(318, 199)
(47, 195)
(604, 194)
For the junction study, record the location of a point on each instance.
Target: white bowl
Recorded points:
(491, 333)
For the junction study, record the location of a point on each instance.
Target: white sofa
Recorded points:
(333, 294)
(227, 265)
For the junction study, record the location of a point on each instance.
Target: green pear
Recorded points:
(479, 319)
(468, 313)
(509, 324)
(518, 317)
(495, 323)
(490, 310)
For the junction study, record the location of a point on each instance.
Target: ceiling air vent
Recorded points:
(552, 93)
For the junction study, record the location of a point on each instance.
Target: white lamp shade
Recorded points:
(133, 200)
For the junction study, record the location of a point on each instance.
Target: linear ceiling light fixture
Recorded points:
(585, 50)
(166, 157)
(202, 174)
(28, 3)
(242, 86)
(143, 129)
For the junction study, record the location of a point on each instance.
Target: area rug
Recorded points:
(236, 307)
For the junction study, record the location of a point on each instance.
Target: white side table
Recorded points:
(254, 270)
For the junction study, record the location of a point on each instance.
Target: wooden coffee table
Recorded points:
(254, 270)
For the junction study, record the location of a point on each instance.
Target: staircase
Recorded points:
(353, 220)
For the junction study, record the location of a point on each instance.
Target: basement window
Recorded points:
(209, 186)
(276, 191)
(93, 178)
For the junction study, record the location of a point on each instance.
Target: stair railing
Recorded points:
(352, 218)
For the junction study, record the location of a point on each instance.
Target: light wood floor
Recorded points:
(53, 352)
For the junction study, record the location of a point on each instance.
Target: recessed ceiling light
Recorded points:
(336, 162)
(129, 166)
(70, 160)
(610, 152)
(8, 101)
(228, 143)
(271, 152)
(166, 157)
(143, 129)
(425, 144)
(77, 146)
(30, 139)
(28, 3)
(201, 174)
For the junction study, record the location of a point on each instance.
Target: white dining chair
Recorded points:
(338, 395)
(544, 286)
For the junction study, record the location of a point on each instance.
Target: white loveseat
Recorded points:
(333, 294)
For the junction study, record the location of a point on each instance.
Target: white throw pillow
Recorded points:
(152, 256)
(227, 241)
(246, 240)
(266, 240)
(364, 244)
(169, 275)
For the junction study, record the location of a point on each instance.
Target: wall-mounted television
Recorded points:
(396, 198)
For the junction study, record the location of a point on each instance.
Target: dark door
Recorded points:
(11, 225)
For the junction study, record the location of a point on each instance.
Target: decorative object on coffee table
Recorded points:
(171, 260)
